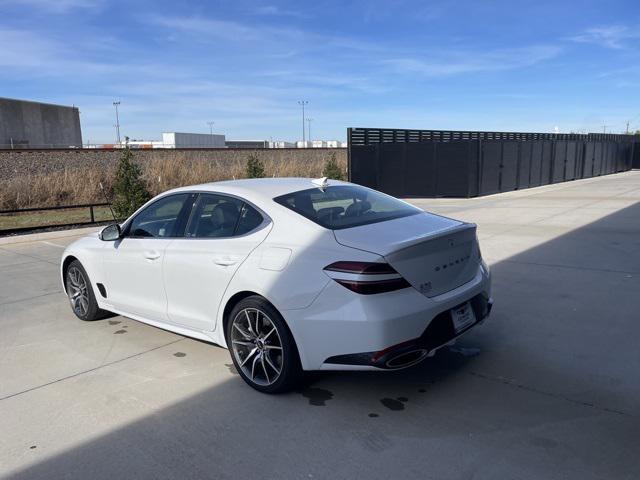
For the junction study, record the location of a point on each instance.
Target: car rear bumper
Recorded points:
(341, 330)
(438, 333)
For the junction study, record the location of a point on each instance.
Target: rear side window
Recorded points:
(249, 220)
(345, 206)
(219, 216)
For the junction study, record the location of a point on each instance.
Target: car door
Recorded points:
(221, 233)
(133, 264)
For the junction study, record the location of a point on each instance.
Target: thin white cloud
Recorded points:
(55, 6)
(332, 48)
(273, 10)
(196, 25)
(47, 56)
(609, 36)
(206, 28)
(459, 62)
(234, 32)
(632, 71)
(23, 49)
(327, 79)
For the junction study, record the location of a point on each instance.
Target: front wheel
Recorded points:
(261, 346)
(83, 301)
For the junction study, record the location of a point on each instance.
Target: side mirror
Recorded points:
(110, 233)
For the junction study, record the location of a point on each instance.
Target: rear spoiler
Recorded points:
(409, 242)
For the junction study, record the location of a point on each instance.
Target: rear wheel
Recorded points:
(83, 301)
(261, 346)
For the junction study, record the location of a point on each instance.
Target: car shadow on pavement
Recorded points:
(548, 387)
(320, 387)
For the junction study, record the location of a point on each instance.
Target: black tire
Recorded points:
(74, 277)
(289, 360)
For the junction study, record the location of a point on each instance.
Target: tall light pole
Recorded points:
(115, 104)
(211, 127)
(309, 120)
(304, 139)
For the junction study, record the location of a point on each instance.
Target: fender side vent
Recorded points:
(103, 291)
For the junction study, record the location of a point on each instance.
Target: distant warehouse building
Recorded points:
(181, 140)
(281, 144)
(247, 143)
(192, 140)
(259, 144)
(26, 124)
(321, 144)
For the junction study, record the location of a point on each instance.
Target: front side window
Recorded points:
(219, 216)
(345, 206)
(161, 219)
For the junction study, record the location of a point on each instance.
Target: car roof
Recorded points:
(258, 189)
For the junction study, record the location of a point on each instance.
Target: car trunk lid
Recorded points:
(434, 254)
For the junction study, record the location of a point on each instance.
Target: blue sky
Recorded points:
(459, 65)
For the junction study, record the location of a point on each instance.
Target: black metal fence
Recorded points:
(29, 219)
(435, 163)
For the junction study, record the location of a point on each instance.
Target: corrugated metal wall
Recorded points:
(431, 163)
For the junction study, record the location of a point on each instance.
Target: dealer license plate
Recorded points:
(462, 317)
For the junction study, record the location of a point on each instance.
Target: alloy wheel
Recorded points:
(257, 346)
(77, 291)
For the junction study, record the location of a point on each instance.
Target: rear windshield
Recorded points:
(345, 206)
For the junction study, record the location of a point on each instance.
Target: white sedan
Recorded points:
(290, 274)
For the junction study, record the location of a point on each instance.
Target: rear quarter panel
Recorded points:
(287, 268)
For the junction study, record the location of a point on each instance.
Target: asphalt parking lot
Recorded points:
(548, 387)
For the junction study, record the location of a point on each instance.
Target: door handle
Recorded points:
(225, 262)
(153, 255)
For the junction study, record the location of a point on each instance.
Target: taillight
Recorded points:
(366, 278)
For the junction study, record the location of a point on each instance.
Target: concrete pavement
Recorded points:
(548, 388)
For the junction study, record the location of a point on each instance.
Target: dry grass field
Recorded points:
(73, 185)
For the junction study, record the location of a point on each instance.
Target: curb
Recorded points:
(37, 237)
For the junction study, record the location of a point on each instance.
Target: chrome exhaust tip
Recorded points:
(407, 359)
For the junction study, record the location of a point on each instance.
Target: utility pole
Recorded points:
(115, 104)
(604, 128)
(304, 138)
(627, 127)
(211, 127)
(309, 120)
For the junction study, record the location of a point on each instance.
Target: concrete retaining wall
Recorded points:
(33, 124)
